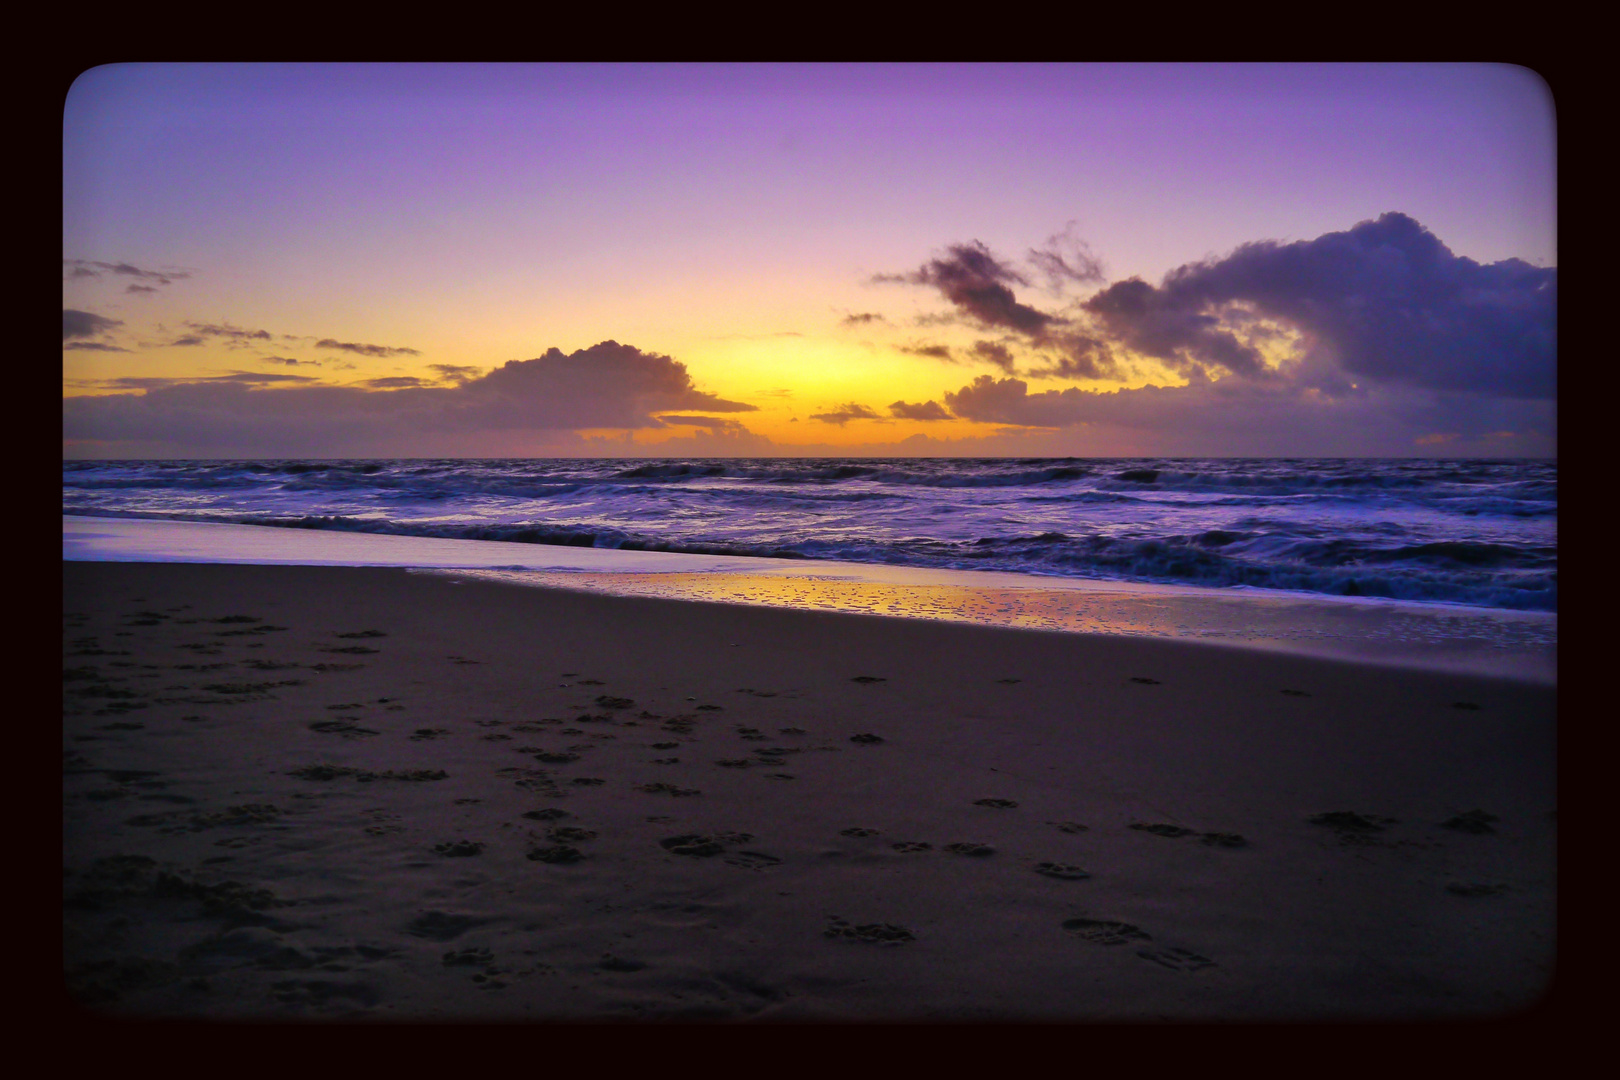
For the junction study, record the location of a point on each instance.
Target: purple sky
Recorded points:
(327, 260)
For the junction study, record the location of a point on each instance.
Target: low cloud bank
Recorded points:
(608, 385)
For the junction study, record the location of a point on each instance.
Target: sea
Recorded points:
(1482, 534)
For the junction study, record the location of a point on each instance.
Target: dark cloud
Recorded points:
(861, 318)
(1383, 302)
(394, 382)
(234, 337)
(1066, 259)
(456, 372)
(927, 410)
(93, 346)
(977, 285)
(713, 423)
(290, 362)
(521, 403)
(845, 413)
(1077, 356)
(365, 350)
(79, 269)
(82, 324)
(936, 352)
(140, 289)
(153, 382)
(993, 353)
(1238, 416)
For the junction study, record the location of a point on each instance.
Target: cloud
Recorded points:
(456, 372)
(365, 350)
(394, 382)
(81, 269)
(289, 361)
(1383, 302)
(993, 353)
(845, 413)
(523, 403)
(82, 324)
(1066, 259)
(1233, 416)
(713, 423)
(95, 346)
(234, 337)
(936, 352)
(862, 318)
(927, 410)
(154, 382)
(977, 285)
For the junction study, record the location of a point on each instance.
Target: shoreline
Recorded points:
(1511, 644)
(1165, 822)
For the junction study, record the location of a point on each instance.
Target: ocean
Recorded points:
(1479, 533)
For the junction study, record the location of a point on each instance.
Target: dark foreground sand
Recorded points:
(301, 792)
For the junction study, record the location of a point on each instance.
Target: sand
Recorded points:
(329, 792)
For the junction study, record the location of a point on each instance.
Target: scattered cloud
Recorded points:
(459, 373)
(927, 410)
(394, 382)
(862, 318)
(994, 353)
(155, 382)
(936, 352)
(93, 346)
(289, 361)
(234, 337)
(1066, 259)
(89, 269)
(365, 350)
(713, 423)
(977, 285)
(83, 324)
(845, 413)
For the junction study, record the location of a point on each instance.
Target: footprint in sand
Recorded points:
(1061, 871)
(912, 847)
(668, 789)
(1106, 931)
(870, 933)
(557, 854)
(570, 834)
(1223, 839)
(996, 804)
(866, 739)
(977, 851)
(868, 679)
(694, 845)
(1176, 959)
(424, 734)
(859, 834)
(751, 860)
(550, 813)
(442, 926)
(1068, 826)
(1295, 693)
(459, 848)
(1144, 680)
(1348, 821)
(1171, 831)
(468, 957)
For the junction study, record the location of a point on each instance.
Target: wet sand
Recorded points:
(308, 792)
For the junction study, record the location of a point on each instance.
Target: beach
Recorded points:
(299, 792)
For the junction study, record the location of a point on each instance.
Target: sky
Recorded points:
(894, 260)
